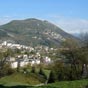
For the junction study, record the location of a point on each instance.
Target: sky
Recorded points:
(70, 15)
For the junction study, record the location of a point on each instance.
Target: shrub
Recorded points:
(41, 72)
(33, 70)
(52, 77)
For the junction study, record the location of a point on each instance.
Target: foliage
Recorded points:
(33, 70)
(76, 57)
(41, 72)
(52, 77)
(7, 70)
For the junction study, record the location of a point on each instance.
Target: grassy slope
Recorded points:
(64, 84)
(19, 79)
(24, 81)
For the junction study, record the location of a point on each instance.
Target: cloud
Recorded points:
(71, 25)
(5, 19)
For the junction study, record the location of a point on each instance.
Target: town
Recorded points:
(27, 55)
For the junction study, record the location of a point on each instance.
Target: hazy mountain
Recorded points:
(76, 35)
(33, 32)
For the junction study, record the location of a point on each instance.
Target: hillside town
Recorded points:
(32, 57)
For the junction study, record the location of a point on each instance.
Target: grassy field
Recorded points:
(21, 82)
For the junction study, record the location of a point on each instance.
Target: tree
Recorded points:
(71, 54)
(84, 39)
(5, 68)
(41, 72)
(52, 77)
(84, 54)
(3, 58)
(33, 70)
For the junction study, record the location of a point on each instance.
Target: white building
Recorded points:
(47, 59)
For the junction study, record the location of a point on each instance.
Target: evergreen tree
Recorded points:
(41, 72)
(51, 77)
(33, 70)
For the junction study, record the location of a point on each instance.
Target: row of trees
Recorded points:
(75, 63)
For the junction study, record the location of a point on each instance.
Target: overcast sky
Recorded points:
(70, 15)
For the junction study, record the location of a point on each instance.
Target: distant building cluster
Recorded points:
(23, 59)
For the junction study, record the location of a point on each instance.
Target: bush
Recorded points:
(52, 77)
(6, 70)
(33, 70)
(86, 86)
(41, 72)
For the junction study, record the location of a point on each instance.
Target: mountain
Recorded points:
(33, 32)
(78, 35)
